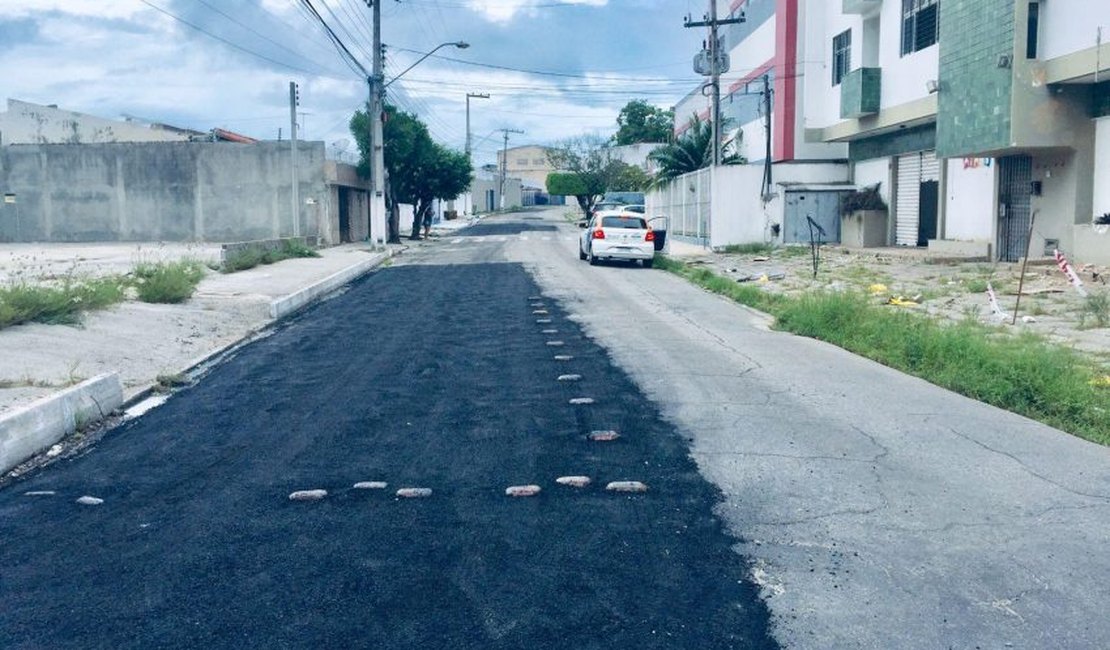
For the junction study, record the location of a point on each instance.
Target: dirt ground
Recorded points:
(953, 290)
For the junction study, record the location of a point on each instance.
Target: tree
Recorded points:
(418, 170)
(693, 150)
(639, 121)
(588, 170)
(630, 178)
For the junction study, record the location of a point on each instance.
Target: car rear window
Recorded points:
(623, 222)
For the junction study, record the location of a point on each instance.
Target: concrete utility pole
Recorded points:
(718, 63)
(505, 162)
(378, 228)
(468, 96)
(294, 100)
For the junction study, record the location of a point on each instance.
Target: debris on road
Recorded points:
(626, 486)
(90, 501)
(573, 481)
(604, 436)
(582, 400)
(370, 485)
(414, 493)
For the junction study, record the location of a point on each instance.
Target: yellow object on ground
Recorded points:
(902, 302)
(877, 289)
(1101, 382)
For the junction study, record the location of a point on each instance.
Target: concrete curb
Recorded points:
(28, 430)
(294, 301)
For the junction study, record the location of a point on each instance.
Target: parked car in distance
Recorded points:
(617, 235)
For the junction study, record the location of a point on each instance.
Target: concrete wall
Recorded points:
(158, 191)
(725, 206)
(969, 213)
(27, 123)
(1102, 167)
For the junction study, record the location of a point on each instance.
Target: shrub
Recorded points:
(167, 282)
(61, 304)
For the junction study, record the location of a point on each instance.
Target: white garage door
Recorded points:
(913, 170)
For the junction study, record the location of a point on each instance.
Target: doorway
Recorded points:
(1015, 179)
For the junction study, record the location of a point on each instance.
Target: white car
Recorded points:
(617, 235)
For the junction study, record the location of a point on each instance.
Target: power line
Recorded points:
(230, 43)
(350, 59)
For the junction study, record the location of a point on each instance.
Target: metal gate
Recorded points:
(1015, 178)
(822, 207)
(913, 171)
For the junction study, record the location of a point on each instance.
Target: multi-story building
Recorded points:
(976, 116)
(528, 163)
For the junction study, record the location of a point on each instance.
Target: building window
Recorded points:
(522, 162)
(920, 24)
(1033, 28)
(841, 56)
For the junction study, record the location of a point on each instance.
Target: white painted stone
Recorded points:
(40, 493)
(626, 486)
(569, 377)
(555, 344)
(414, 493)
(308, 495)
(90, 501)
(540, 312)
(550, 331)
(538, 305)
(522, 490)
(543, 321)
(573, 481)
(582, 400)
(604, 436)
(535, 297)
(371, 485)
(563, 357)
(54, 451)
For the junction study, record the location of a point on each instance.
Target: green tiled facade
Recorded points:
(860, 93)
(895, 143)
(974, 106)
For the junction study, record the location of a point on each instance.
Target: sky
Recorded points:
(554, 69)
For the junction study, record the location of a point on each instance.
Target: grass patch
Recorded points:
(1024, 374)
(1095, 311)
(749, 249)
(61, 304)
(167, 282)
(248, 258)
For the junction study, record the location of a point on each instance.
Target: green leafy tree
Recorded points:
(693, 150)
(593, 170)
(418, 170)
(630, 178)
(639, 121)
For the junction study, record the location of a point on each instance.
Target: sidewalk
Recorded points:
(141, 341)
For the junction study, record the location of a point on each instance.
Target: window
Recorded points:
(523, 162)
(920, 24)
(841, 56)
(1033, 28)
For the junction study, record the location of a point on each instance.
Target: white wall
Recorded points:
(751, 53)
(1069, 26)
(904, 77)
(824, 21)
(1102, 166)
(872, 172)
(27, 123)
(969, 197)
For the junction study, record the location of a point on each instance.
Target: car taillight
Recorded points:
(650, 236)
(599, 234)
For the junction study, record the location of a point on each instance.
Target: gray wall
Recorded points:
(158, 191)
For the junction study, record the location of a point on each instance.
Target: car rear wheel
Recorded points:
(581, 255)
(648, 263)
(592, 258)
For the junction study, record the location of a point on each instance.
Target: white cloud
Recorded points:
(502, 11)
(90, 8)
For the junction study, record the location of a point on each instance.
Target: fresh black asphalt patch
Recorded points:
(420, 376)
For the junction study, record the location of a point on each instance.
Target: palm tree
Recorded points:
(693, 150)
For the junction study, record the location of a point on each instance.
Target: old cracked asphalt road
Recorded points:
(798, 496)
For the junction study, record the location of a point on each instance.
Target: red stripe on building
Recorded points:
(735, 5)
(755, 74)
(786, 66)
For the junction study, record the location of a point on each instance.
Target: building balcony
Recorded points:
(860, 93)
(861, 7)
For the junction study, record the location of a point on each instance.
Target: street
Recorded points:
(796, 495)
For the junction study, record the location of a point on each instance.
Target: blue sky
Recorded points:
(553, 68)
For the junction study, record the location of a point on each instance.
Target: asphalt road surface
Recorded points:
(424, 375)
(798, 496)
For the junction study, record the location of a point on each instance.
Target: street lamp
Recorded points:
(462, 45)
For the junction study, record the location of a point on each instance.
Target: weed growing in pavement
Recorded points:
(1025, 373)
(167, 282)
(748, 249)
(165, 383)
(61, 303)
(1095, 311)
(248, 258)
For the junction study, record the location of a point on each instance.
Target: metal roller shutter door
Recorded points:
(913, 170)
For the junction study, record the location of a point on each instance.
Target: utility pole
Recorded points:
(767, 118)
(294, 101)
(505, 161)
(378, 230)
(717, 64)
(468, 96)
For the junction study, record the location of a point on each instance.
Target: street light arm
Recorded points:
(462, 45)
